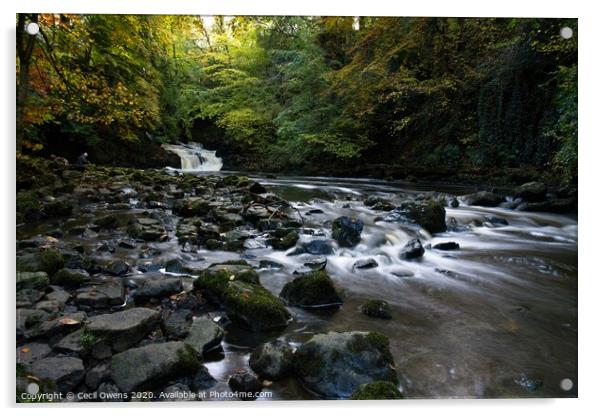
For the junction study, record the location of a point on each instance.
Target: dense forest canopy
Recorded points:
(306, 94)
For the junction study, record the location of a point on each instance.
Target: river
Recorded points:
(496, 318)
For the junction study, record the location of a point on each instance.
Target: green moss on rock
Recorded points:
(215, 279)
(314, 289)
(254, 307)
(379, 390)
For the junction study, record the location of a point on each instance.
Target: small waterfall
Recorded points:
(194, 158)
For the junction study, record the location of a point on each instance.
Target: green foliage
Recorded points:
(288, 93)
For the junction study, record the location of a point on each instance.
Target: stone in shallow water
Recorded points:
(311, 290)
(272, 360)
(347, 231)
(70, 278)
(177, 325)
(101, 294)
(149, 366)
(365, 264)
(64, 372)
(379, 390)
(204, 335)
(123, 329)
(412, 250)
(157, 285)
(254, 307)
(335, 364)
(245, 384)
(377, 309)
(446, 246)
(32, 351)
(32, 280)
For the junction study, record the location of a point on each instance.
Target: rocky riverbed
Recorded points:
(153, 284)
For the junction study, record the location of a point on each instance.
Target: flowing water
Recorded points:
(496, 318)
(194, 158)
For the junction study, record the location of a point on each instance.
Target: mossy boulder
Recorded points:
(311, 290)
(215, 279)
(254, 307)
(71, 278)
(484, 199)
(531, 191)
(429, 214)
(47, 260)
(347, 231)
(191, 207)
(32, 280)
(336, 364)
(107, 223)
(29, 207)
(377, 308)
(379, 390)
(286, 241)
(59, 207)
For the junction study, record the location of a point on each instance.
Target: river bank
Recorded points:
(461, 293)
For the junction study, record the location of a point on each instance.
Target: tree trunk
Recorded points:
(25, 44)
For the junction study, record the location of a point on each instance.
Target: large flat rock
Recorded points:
(123, 329)
(149, 366)
(64, 372)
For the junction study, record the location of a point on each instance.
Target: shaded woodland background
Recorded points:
(388, 97)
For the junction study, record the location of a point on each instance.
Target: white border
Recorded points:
(590, 21)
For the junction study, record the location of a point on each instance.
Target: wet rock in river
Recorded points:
(116, 267)
(101, 294)
(191, 207)
(559, 206)
(204, 335)
(71, 278)
(531, 191)
(335, 364)
(58, 327)
(32, 280)
(32, 351)
(149, 366)
(254, 307)
(30, 318)
(272, 360)
(214, 280)
(107, 223)
(447, 246)
(286, 241)
(379, 390)
(347, 231)
(269, 264)
(484, 199)
(123, 329)
(377, 308)
(257, 188)
(311, 290)
(246, 384)
(64, 372)
(365, 264)
(379, 204)
(177, 324)
(48, 260)
(26, 298)
(320, 247)
(98, 374)
(412, 250)
(147, 229)
(156, 285)
(429, 214)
